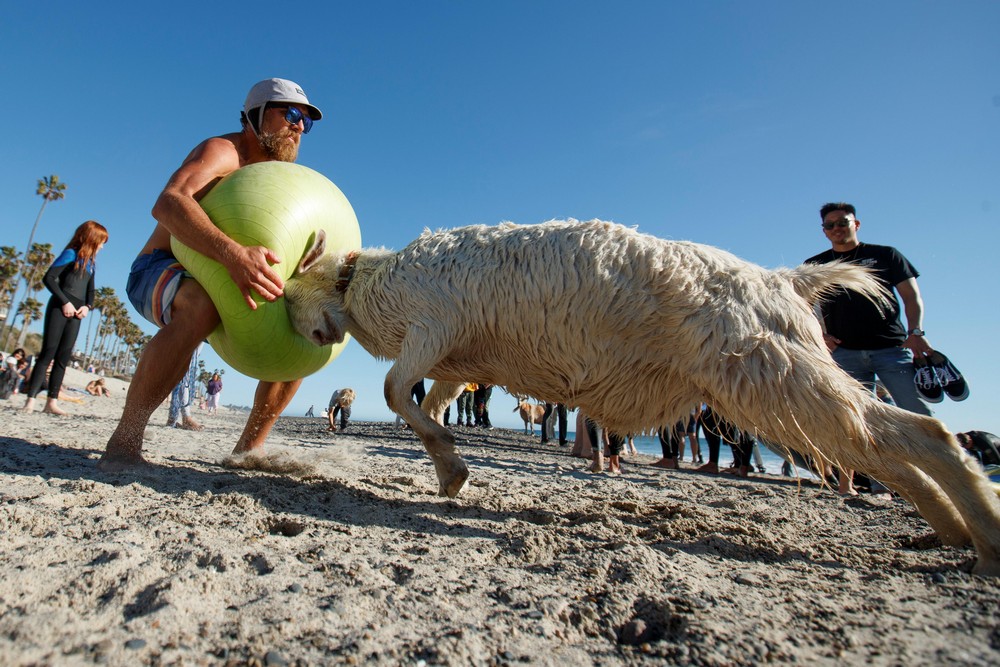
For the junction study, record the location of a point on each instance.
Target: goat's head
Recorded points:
(315, 306)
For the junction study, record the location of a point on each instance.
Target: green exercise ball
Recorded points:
(278, 205)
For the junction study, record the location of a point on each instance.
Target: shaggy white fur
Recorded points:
(628, 315)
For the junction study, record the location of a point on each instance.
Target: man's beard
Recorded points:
(277, 146)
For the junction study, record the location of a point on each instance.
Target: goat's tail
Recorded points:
(815, 281)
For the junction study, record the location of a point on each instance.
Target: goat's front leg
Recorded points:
(438, 441)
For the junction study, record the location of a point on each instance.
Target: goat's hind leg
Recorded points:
(414, 359)
(928, 446)
(439, 397)
(930, 500)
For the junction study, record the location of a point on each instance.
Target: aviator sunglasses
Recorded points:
(293, 115)
(843, 222)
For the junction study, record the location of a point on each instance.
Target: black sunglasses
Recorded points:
(843, 222)
(293, 115)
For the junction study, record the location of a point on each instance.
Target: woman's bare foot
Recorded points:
(708, 467)
(52, 407)
(598, 465)
(847, 489)
(29, 405)
(670, 464)
(845, 485)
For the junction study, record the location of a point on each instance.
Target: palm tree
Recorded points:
(112, 314)
(103, 297)
(10, 262)
(30, 310)
(49, 189)
(134, 339)
(35, 266)
(123, 325)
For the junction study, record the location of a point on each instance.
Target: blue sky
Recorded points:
(727, 123)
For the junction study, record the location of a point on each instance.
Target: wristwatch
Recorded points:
(915, 332)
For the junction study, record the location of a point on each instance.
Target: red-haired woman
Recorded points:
(71, 281)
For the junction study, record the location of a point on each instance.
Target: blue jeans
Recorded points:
(893, 366)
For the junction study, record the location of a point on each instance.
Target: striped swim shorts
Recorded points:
(153, 283)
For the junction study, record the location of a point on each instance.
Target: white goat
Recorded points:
(627, 315)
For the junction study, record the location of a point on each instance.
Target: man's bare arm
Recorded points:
(913, 307)
(177, 209)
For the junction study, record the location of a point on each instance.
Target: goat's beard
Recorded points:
(277, 146)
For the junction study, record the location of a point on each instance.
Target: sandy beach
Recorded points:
(334, 549)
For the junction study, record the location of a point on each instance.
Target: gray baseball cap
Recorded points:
(278, 90)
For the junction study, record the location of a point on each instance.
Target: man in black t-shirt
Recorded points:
(865, 339)
(868, 340)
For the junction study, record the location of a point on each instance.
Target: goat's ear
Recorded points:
(314, 252)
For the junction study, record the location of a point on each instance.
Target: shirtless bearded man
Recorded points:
(275, 116)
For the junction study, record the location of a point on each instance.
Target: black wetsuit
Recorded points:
(718, 429)
(615, 441)
(670, 440)
(68, 285)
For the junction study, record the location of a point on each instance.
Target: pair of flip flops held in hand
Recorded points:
(936, 377)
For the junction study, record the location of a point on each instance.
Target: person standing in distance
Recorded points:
(275, 115)
(70, 279)
(869, 340)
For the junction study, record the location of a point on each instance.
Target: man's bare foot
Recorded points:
(122, 454)
(708, 467)
(189, 424)
(670, 464)
(242, 448)
(52, 408)
(29, 405)
(598, 465)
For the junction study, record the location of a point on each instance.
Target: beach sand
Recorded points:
(335, 549)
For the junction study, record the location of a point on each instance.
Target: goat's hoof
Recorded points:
(987, 567)
(954, 538)
(451, 485)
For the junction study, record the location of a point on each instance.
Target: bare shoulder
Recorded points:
(222, 153)
(210, 161)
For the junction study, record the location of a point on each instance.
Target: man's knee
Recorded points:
(193, 308)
